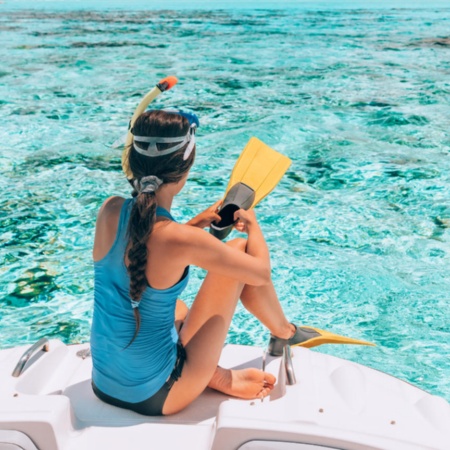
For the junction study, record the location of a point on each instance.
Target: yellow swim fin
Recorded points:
(256, 173)
(260, 168)
(310, 337)
(325, 337)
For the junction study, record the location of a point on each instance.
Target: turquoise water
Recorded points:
(357, 98)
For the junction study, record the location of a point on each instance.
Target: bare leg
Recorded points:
(181, 311)
(263, 303)
(203, 334)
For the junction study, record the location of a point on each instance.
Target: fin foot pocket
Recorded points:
(309, 337)
(240, 196)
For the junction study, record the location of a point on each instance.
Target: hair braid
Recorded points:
(140, 226)
(169, 169)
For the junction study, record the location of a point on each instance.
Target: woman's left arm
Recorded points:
(205, 218)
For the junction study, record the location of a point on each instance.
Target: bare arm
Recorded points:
(106, 226)
(205, 218)
(199, 248)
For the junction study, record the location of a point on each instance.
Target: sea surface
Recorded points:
(358, 98)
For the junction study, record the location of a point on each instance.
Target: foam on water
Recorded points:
(358, 99)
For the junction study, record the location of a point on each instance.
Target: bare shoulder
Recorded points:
(190, 244)
(106, 226)
(182, 234)
(180, 240)
(110, 207)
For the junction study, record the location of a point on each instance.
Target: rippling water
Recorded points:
(358, 99)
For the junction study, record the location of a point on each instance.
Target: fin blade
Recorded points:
(259, 167)
(327, 337)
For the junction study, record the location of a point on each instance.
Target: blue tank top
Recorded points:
(135, 373)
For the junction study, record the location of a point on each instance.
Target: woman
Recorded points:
(150, 354)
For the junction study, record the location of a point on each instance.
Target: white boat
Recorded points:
(319, 402)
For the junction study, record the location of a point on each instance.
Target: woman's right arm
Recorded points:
(201, 249)
(256, 244)
(106, 226)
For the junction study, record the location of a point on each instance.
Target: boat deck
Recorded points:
(335, 404)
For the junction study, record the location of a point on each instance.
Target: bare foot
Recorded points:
(245, 383)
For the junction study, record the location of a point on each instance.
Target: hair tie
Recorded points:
(147, 185)
(134, 304)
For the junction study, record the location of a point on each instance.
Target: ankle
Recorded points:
(287, 332)
(221, 379)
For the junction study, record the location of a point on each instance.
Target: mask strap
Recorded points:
(153, 151)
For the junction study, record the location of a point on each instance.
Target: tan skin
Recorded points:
(238, 269)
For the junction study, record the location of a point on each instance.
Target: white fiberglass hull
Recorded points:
(334, 404)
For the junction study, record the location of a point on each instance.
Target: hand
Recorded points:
(245, 219)
(205, 218)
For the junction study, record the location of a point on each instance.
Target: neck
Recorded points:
(164, 199)
(166, 193)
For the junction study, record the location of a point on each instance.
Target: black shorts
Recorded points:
(153, 406)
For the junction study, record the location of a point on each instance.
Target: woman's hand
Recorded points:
(245, 220)
(205, 218)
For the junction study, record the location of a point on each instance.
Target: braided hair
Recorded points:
(149, 174)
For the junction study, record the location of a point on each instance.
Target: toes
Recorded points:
(264, 393)
(269, 378)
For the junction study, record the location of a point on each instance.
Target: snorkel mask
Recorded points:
(131, 141)
(178, 142)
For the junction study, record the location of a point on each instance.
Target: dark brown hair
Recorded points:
(170, 169)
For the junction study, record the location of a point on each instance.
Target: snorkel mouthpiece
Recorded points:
(167, 83)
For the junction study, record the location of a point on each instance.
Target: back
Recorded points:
(135, 373)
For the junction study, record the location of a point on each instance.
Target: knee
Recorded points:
(181, 310)
(238, 243)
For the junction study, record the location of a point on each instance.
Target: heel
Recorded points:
(275, 347)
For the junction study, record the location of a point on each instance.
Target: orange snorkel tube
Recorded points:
(163, 85)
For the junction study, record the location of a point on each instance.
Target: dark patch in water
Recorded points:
(414, 174)
(66, 331)
(233, 84)
(99, 163)
(389, 118)
(440, 42)
(442, 222)
(372, 103)
(9, 28)
(91, 45)
(34, 285)
(205, 182)
(35, 236)
(64, 94)
(295, 177)
(23, 112)
(318, 163)
(116, 44)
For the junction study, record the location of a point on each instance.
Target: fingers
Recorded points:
(212, 212)
(216, 205)
(245, 216)
(216, 217)
(237, 216)
(242, 219)
(240, 226)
